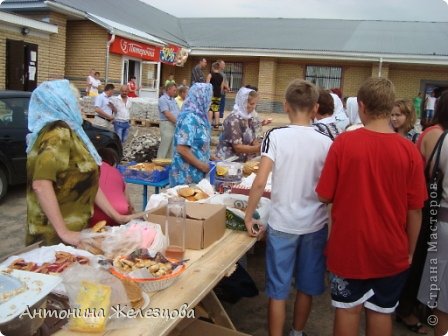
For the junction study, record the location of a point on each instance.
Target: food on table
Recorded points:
(134, 293)
(63, 260)
(93, 302)
(10, 287)
(221, 170)
(162, 162)
(251, 167)
(157, 269)
(192, 194)
(100, 226)
(140, 259)
(147, 167)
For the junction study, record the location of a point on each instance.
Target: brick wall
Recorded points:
(86, 49)
(352, 78)
(408, 80)
(50, 50)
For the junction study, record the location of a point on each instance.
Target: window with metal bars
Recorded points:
(234, 74)
(323, 76)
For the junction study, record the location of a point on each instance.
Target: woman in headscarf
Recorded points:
(192, 137)
(239, 136)
(62, 168)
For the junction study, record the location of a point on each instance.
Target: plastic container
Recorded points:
(212, 172)
(229, 171)
(175, 228)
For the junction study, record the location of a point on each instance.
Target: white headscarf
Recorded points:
(240, 107)
(352, 110)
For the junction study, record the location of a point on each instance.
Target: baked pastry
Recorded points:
(99, 227)
(186, 192)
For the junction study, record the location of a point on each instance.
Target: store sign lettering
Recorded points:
(134, 48)
(131, 48)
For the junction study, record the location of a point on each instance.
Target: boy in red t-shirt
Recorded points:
(374, 179)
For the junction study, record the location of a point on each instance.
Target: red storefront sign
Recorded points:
(131, 48)
(170, 54)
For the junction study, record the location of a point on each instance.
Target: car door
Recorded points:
(13, 130)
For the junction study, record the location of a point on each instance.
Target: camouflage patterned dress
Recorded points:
(60, 156)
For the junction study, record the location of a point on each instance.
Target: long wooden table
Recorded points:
(205, 269)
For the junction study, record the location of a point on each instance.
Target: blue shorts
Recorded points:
(379, 294)
(301, 256)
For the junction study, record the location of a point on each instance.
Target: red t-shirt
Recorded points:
(133, 87)
(113, 187)
(372, 179)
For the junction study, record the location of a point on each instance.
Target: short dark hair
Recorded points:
(133, 77)
(109, 155)
(441, 115)
(252, 87)
(326, 103)
(170, 85)
(182, 89)
(109, 87)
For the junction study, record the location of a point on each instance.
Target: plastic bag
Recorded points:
(110, 243)
(236, 205)
(92, 292)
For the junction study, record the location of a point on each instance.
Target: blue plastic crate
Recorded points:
(154, 176)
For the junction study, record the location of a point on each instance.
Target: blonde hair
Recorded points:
(407, 108)
(378, 96)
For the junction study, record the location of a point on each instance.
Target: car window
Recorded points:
(14, 112)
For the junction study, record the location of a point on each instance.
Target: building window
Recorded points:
(234, 73)
(324, 77)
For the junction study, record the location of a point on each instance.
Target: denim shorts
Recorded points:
(301, 256)
(379, 294)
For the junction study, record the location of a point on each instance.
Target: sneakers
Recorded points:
(294, 332)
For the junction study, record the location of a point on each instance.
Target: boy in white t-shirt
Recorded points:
(297, 227)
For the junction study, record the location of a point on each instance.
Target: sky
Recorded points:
(400, 10)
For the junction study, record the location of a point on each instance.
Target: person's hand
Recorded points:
(71, 237)
(204, 167)
(266, 121)
(123, 219)
(254, 227)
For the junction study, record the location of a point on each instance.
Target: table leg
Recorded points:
(216, 311)
(145, 196)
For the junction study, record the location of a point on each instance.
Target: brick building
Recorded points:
(267, 53)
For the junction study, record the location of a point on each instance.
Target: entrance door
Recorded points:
(131, 68)
(150, 80)
(15, 65)
(21, 65)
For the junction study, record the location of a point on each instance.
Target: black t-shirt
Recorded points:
(216, 82)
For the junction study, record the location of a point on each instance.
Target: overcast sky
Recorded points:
(403, 10)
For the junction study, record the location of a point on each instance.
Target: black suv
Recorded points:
(13, 131)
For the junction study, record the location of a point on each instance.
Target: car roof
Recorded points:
(14, 94)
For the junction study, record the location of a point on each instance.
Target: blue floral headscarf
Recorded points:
(52, 101)
(198, 100)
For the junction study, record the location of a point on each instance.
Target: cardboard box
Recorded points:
(198, 327)
(205, 223)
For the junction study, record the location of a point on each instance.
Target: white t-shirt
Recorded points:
(430, 103)
(298, 153)
(122, 108)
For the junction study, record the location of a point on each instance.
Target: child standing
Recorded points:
(374, 178)
(297, 228)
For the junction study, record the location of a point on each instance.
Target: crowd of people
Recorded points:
(348, 188)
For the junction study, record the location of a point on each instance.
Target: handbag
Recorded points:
(434, 178)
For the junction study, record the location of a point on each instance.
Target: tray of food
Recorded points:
(145, 171)
(22, 289)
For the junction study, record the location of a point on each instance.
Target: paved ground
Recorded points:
(249, 315)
